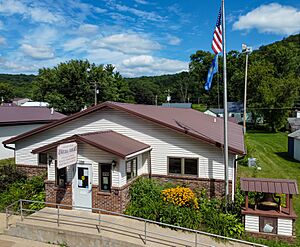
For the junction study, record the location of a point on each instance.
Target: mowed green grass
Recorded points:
(270, 150)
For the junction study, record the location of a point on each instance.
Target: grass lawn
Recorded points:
(270, 150)
(199, 107)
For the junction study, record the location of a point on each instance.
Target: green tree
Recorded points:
(6, 92)
(70, 86)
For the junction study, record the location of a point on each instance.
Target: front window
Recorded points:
(183, 166)
(175, 165)
(190, 166)
(43, 159)
(131, 168)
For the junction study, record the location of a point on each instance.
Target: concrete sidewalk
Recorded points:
(113, 231)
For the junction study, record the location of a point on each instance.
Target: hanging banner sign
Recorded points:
(66, 154)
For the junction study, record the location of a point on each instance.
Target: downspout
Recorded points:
(233, 189)
(8, 147)
(149, 164)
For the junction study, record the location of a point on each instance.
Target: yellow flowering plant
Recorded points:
(180, 196)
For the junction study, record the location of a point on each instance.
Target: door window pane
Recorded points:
(83, 177)
(61, 177)
(191, 166)
(175, 165)
(105, 177)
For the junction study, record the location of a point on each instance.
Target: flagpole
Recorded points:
(225, 105)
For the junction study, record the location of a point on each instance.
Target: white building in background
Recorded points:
(36, 103)
(16, 120)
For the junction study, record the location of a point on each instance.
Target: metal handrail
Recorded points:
(9, 213)
(99, 210)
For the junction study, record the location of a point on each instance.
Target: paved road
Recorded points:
(8, 241)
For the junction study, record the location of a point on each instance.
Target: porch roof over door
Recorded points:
(109, 141)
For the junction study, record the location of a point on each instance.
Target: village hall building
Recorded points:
(115, 143)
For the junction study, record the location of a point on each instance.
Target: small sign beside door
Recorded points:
(66, 154)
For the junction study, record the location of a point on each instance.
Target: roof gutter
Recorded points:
(8, 147)
(129, 156)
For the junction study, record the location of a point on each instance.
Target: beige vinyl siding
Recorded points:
(164, 142)
(91, 155)
(7, 132)
(285, 227)
(252, 223)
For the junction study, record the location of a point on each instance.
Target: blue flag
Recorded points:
(212, 70)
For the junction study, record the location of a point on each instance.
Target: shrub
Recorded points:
(179, 196)
(8, 175)
(220, 219)
(30, 189)
(181, 207)
(145, 199)
(180, 216)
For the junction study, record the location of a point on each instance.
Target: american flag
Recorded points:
(217, 39)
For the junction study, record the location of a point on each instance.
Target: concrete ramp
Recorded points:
(82, 229)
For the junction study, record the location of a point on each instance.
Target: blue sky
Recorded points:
(139, 37)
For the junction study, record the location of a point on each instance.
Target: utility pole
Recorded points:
(247, 50)
(96, 91)
(156, 99)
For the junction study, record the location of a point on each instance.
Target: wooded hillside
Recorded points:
(273, 83)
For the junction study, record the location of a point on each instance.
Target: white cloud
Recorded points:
(38, 52)
(271, 18)
(150, 16)
(11, 66)
(127, 43)
(79, 44)
(149, 65)
(2, 41)
(141, 1)
(105, 56)
(42, 35)
(173, 40)
(99, 10)
(88, 29)
(36, 14)
(11, 7)
(44, 15)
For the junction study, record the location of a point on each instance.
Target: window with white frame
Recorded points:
(131, 168)
(183, 166)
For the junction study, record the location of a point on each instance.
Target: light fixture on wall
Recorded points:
(114, 164)
(50, 159)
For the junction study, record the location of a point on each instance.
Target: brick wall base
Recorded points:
(31, 170)
(117, 199)
(273, 237)
(213, 187)
(58, 195)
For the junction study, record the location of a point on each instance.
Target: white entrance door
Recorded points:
(82, 186)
